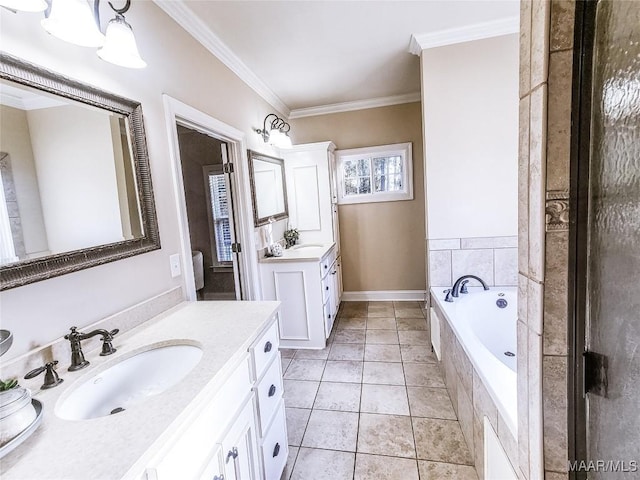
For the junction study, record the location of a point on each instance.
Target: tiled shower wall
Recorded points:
(493, 259)
(546, 55)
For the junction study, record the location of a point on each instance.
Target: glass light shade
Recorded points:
(285, 141)
(73, 22)
(279, 139)
(120, 46)
(25, 5)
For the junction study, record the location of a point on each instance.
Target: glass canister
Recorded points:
(16, 413)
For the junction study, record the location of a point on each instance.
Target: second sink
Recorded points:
(128, 382)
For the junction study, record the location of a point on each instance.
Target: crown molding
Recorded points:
(184, 17)
(355, 105)
(468, 33)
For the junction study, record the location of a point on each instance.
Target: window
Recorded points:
(375, 174)
(219, 209)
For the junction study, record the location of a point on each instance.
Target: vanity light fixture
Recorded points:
(75, 21)
(120, 46)
(25, 5)
(275, 131)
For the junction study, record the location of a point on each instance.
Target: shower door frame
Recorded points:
(584, 37)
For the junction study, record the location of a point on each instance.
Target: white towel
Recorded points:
(198, 269)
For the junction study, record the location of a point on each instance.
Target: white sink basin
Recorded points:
(307, 245)
(129, 382)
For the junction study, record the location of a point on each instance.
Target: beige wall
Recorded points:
(470, 95)
(177, 65)
(382, 243)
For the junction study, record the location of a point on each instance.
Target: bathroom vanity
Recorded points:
(307, 279)
(224, 419)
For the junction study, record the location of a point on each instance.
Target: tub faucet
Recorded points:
(455, 290)
(77, 357)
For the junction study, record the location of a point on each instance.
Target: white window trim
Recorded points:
(398, 149)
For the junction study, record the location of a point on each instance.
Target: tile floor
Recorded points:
(373, 404)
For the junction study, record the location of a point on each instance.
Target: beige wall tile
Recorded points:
(465, 418)
(534, 370)
(534, 306)
(537, 162)
(478, 443)
(525, 47)
(559, 120)
(540, 13)
(440, 268)
(555, 294)
(506, 266)
(508, 441)
(523, 399)
(554, 384)
(482, 401)
(444, 244)
(489, 242)
(463, 367)
(523, 185)
(562, 21)
(452, 381)
(475, 262)
(523, 292)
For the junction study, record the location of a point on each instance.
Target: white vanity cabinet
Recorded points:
(232, 431)
(311, 192)
(308, 285)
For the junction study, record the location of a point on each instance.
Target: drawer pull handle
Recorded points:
(219, 477)
(233, 453)
(326, 288)
(326, 266)
(267, 347)
(276, 450)
(272, 390)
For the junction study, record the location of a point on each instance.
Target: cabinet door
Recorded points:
(215, 468)
(240, 447)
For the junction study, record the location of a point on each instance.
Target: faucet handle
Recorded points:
(107, 347)
(447, 297)
(74, 333)
(51, 378)
(463, 286)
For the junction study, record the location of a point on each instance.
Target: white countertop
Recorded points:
(301, 253)
(107, 447)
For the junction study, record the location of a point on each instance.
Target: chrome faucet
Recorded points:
(460, 285)
(77, 357)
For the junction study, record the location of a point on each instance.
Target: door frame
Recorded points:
(177, 112)
(584, 37)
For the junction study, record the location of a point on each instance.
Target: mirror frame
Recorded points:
(35, 270)
(259, 221)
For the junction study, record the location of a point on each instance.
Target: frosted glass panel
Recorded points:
(614, 234)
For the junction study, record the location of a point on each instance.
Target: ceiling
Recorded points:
(318, 53)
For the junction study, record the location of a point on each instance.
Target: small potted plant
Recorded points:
(291, 236)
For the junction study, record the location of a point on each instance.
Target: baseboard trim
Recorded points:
(385, 295)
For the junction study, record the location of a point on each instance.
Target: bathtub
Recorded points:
(487, 334)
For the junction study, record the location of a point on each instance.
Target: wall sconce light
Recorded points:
(74, 21)
(275, 131)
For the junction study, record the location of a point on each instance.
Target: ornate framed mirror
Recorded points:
(75, 184)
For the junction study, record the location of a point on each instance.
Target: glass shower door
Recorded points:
(613, 248)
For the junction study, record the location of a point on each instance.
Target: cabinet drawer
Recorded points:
(269, 392)
(328, 319)
(326, 262)
(265, 349)
(326, 288)
(274, 446)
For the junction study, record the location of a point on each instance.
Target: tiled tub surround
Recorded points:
(121, 446)
(494, 259)
(373, 404)
(472, 398)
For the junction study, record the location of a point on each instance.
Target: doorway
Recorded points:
(209, 197)
(604, 379)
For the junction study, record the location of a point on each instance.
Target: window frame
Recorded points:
(403, 150)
